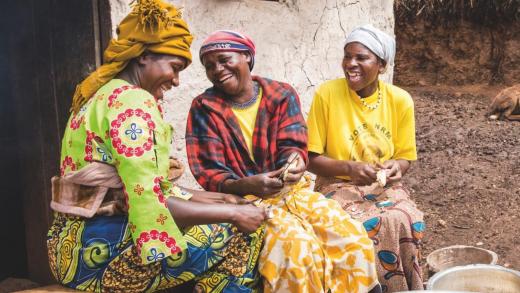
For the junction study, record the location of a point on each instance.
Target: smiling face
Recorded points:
(361, 68)
(229, 72)
(159, 72)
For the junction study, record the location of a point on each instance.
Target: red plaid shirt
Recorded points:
(216, 147)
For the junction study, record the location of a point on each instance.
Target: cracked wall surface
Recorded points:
(298, 41)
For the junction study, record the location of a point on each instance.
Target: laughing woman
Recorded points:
(246, 135)
(361, 143)
(149, 235)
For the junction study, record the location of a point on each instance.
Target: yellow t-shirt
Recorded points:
(247, 119)
(342, 128)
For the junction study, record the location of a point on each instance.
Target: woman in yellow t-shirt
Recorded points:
(361, 143)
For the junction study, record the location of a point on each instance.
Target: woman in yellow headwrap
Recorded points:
(149, 235)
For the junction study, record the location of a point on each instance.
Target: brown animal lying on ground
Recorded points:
(506, 105)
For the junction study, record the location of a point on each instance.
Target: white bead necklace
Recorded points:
(374, 106)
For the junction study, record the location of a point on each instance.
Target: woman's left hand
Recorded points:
(295, 172)
(393, 170)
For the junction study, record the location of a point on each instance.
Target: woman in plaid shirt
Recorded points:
(246, 135)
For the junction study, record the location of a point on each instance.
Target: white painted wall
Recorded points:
(298, 41)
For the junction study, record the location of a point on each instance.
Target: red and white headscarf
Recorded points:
(226, 40)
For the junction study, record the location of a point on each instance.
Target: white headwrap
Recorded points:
(377, 41)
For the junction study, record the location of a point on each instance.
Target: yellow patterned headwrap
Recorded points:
(153, 26)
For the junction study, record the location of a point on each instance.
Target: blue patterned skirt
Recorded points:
(98, 255)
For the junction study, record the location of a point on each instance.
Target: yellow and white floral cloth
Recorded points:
(312, 245)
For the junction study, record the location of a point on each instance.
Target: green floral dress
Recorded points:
(122, 125)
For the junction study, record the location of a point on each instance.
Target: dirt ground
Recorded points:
(467, 178)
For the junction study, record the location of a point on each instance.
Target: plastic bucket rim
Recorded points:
(441, 274)
(494, 255)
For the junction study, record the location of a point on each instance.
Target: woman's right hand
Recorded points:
(262, 185)
(265, 184)
(362, 173)
(248, 217)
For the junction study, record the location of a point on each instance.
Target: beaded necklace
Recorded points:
(374, 106)
(241, 106)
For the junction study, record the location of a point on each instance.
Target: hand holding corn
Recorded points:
(293, 169)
